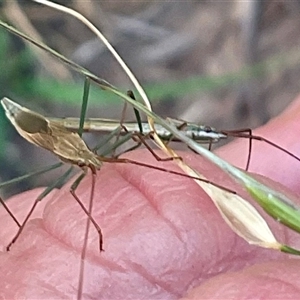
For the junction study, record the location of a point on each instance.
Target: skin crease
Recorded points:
(163, 237)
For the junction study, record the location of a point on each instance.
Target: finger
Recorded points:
(171, 220)
(276, 280)
(161, 233)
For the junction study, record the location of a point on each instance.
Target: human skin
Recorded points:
(163, 237)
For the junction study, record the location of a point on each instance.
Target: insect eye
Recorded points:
(207, 129)
(81, 163)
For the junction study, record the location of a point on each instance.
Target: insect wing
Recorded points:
(37, 129)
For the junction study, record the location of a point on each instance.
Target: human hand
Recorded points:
(162, 234)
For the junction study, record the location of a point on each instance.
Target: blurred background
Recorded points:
(229, 65)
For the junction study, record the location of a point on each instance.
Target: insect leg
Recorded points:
(142, 138)
(87, 228)
(133, 162)
(247, 133)
(21, 178)
(59, 181)
(73, 192)
(136, 112)
(85, 97)
(9, 212)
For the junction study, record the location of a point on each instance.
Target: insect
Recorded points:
(199, 133)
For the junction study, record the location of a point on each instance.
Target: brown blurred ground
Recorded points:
(165, 41)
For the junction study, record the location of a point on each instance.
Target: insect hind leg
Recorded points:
(87, 227)
(73, 193)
